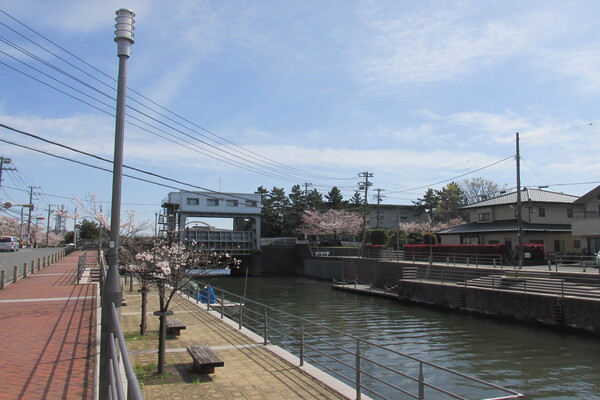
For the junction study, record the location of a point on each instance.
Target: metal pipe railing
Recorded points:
(299, 331)
(119, 355)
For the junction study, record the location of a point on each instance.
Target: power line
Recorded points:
(279, 168)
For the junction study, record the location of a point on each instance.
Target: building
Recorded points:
(586, 224)
(546, 219)
(180, 208)
(388, 216)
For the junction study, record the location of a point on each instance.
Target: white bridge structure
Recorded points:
(180, 208)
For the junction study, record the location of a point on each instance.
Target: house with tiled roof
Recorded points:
(546, 219)
(587, 223)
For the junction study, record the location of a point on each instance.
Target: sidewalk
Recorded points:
(251, 371)
(48, 333)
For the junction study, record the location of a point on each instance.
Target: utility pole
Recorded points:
(48, 224)
(519, 206)
(29, 216)
(378, 197)
(306, 186)
(4, 160)
(75, 228)
(365, 186)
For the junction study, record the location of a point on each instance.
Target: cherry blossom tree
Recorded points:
(128, 227)
(10, 226)
(421, 227)
(167, 266)
(331, 222)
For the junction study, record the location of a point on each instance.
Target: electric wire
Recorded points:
(109, 161)
(222, 139)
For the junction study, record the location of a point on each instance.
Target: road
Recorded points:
(8, 259)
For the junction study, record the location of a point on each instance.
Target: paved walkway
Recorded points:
(48, 333)
(251, 371)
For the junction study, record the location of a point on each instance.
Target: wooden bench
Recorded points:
(205, 360)
(174, 326)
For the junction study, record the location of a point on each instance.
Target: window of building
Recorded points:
(469, 240)
(251, 203)
(493, 242)
(541, 211)
(484, 217)
(577, 244)
(232, 203)
(569, 213)
(536, 241)
(212, 202)
(193, 201)
(559, 245)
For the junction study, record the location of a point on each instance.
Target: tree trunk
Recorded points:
(162, 337)
(144, 291)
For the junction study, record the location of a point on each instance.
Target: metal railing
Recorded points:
(387, 374)
(475, 260)
(560, 284)
(119, 355)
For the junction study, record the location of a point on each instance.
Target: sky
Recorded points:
(230, 96)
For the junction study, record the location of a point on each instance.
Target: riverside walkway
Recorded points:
(251, 371)
(48, 333)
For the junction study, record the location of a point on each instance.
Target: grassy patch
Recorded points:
(147, 375)
(144, 372)
(135, 336)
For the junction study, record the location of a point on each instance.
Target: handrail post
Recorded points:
(358, 369)
(266, 328)
(301, 344)
(241, 310)
(222, 303)
(421, 382)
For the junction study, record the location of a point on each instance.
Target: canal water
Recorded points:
(542, 363)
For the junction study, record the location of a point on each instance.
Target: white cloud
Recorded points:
(580, 65)
(432, 45)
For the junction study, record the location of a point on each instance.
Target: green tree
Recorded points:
(335, 200)
(450, 201)
(356, 201)
(274, 208)
(293, 216)
(396, 238)
(428, 203)
(315, 200)
(90, 230)
(377, 236)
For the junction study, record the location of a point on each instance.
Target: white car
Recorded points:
(8, 243)
(598, 258)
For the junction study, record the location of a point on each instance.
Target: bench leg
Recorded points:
(204, 369)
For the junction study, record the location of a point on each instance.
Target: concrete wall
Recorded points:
(578, 314)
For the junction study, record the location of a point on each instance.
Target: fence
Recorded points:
(476, 260)
(347, 357)
(118, 356)
(519, 280)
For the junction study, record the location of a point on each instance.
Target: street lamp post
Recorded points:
(112, 293)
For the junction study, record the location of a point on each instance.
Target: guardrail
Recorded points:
(346, 356)
(119, 355)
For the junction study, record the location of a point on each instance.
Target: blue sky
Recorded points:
(418, 93)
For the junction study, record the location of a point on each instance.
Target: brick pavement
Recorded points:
(48, 333)
(251, 370)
